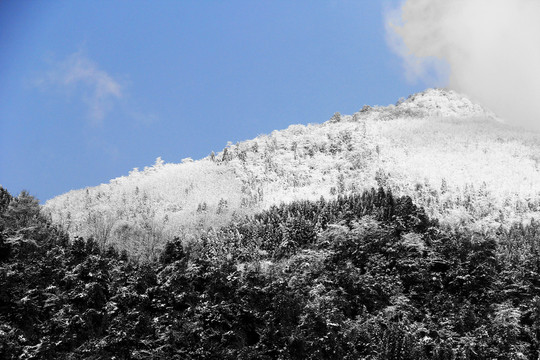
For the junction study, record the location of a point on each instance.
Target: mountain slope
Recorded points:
(450, 155)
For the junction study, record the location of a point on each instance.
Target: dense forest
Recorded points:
(362, 276)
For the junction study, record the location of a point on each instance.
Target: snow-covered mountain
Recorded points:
(449, 154)
(432, 103)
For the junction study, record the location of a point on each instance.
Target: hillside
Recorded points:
(448, 154)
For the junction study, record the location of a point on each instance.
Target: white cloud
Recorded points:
(428, 69)
(99, 90)
(488, 49)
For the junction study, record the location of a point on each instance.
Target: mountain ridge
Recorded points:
(449, 154)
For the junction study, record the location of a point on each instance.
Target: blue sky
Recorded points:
(91, 89)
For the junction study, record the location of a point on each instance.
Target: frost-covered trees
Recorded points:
(464, 170)
(363, 276)
(20, 211)
(335, 118)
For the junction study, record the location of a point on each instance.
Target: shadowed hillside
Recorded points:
(363, 276)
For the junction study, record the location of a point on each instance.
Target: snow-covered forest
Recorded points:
(364, 276)
(463, 165)
(400, 232)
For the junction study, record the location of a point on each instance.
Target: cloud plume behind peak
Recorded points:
(487, 49)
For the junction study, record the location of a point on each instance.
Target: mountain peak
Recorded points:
(444, 103)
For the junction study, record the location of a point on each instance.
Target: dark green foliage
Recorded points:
(365, 276)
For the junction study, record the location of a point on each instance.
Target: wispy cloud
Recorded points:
(99, 90)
